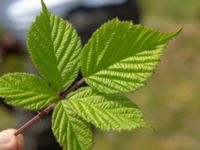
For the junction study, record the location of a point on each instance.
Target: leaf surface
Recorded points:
(120, 56)
(55, 49)
(108, 112)
(70, 130)
(26, 91)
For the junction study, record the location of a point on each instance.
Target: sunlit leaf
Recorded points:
(55, 49)
(120, 56)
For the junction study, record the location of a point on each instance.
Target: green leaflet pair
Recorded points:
(118, 58)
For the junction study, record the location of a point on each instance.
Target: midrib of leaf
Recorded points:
(104, 47)
(109, 115)
(110, 65)
(50, 45)
(59, 53)
(25, 91)
(70, 127)
(25, 88)
(62, 59)
(109, 86)
(53, 48)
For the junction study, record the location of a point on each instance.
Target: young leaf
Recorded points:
(26, 91)
(119, 57)
(69, 129)
(108, 112)
(55, 49)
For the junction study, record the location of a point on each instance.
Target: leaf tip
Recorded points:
(44, 8)
(178, 31)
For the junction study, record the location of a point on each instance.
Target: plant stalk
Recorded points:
(49, 108)
(72, 88)
(35, 118)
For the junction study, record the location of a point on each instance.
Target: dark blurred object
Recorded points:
(9, 45)
(86, 19)
(4, 104)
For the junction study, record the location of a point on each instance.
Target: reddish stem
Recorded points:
(35, 118)
(72, 88)
(49, 108)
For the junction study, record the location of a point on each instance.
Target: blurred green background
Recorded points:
(170, 100)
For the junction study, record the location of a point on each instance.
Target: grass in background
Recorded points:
(174, 9)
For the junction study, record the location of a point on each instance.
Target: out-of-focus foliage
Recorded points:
(179, 9)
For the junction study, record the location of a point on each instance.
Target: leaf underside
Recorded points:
(55, 49)
(70, 130)
(120, 56)
(26, 91)
(108, 112)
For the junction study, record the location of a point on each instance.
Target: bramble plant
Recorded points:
(118, 59)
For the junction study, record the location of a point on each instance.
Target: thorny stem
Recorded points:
(49, 108)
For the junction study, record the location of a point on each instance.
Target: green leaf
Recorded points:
(55, 49)
(108, 112)
(121, 56)
(69, 129)
(26, 91)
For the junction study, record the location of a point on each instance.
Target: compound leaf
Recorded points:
(55, 49)
(120, 56)
(70, 130)
(26, 91)
(108, 112)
